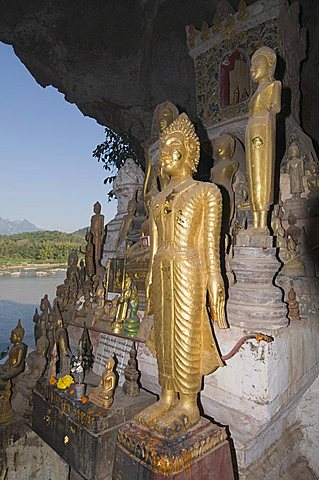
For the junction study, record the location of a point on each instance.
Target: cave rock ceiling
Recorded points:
(116, 60)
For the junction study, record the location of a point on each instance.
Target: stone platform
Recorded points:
(84, 435)
(201, 453)
(255, 301)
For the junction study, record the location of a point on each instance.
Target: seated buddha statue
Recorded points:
(126, 226)
(139, 253)
(293, 266)
(102, 396)
(10, 369)
(16, 361)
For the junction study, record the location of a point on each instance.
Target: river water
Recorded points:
(20, 295)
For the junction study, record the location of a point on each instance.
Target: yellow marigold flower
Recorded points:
(65, 382)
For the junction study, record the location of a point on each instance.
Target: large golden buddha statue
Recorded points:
(261, 136)
(185, 222)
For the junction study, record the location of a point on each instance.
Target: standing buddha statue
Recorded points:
(223, 173)
(122, 305)
(296, 170)
(185, 220)
(97, 230)
(260, 138)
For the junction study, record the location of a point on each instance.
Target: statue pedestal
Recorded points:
(201, 453)
(255, 302)
(84, 435)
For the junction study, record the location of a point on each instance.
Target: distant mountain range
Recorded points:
(10, 227)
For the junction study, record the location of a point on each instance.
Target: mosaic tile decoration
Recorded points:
(207, 66)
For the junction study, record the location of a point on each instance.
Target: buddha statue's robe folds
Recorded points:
(183, 220)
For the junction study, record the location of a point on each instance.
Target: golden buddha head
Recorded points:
(263, 64)
(164, 114)
(109, 365)
(224, 147)
(179, 146)
(17, 333)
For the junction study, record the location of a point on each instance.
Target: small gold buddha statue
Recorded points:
(10, 369)
(102, 396)
(17, 353)
(185, 223)
(122, 305)
(110, 307)
(260, 138)
(223, 172)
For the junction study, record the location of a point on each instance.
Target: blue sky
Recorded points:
(47, 172)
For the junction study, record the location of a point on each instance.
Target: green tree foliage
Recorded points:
(115, 150)
(40, 247)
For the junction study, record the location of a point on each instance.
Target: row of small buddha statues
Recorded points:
(50, 357)
(86, 279)
(53, 359)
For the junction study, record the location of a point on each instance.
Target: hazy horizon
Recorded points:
(48, 174)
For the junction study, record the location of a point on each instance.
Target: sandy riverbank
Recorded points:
(32, 266)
